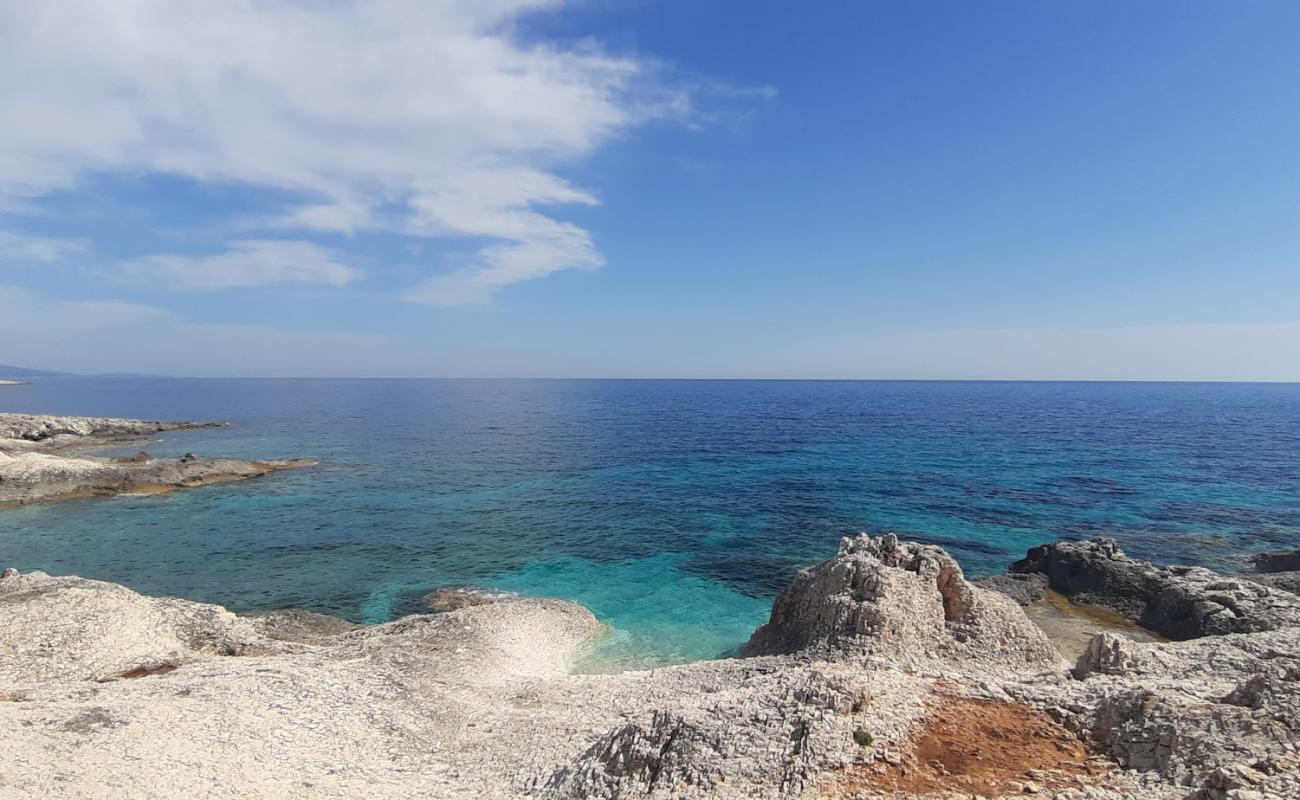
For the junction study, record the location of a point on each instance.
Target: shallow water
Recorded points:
(674, 509)
(1071, 625)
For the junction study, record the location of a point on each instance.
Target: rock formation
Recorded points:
(47, 430)
(36, 467)
(1177, 602)
(880, 596)
(882, 673)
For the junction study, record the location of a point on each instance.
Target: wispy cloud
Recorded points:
(16, 248)
(250, 263)
(431, 119)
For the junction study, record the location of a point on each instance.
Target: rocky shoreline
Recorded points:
(882, 673)
(38, 464)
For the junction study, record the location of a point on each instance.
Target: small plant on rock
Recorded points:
(863, 738)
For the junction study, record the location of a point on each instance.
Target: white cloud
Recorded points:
(255, 262)
(18, 248)
(426, 118)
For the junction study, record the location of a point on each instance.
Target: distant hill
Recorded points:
(7, 371)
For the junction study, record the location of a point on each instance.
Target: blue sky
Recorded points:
(1104, 190)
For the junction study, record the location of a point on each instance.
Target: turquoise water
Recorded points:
(674, 509)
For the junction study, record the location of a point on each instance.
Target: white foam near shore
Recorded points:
(10, 383)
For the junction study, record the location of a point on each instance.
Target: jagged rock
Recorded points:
(1285, 561)
(1107, 654)
(108, 693)
(881, 596)
(1286, 581)
(1157, 731)
(667, 755)
(1182, 710)
(1177, 602)
(9, 572)
(764, 727)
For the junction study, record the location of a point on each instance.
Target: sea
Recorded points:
(675, 510)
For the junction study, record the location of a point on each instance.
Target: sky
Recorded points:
(685, 188)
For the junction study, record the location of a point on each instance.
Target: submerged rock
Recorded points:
(451, 598)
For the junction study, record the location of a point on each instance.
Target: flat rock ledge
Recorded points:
(37, 465)
(882, 673)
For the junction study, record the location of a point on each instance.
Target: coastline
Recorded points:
(36, 465)
(881, 673)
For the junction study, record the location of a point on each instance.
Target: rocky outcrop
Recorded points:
(879, 596)
(1193, 712)
(1219, 712)
(40, 477)
(1285, 581)
(47, 430)
(1177, 602)
(851, 690)
(32, 468)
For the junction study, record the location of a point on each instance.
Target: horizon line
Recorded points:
(119, 376)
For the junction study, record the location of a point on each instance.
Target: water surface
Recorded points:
(674, 509)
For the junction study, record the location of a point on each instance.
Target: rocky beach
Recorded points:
(882, 672)
(43, 459)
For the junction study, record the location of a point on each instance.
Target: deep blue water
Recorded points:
(674, 509)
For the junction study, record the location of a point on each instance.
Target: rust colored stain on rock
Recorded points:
(986, 748)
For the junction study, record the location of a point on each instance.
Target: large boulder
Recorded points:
(880, 596)
(1177, 602)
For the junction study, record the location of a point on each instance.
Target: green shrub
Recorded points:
(863, 738)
